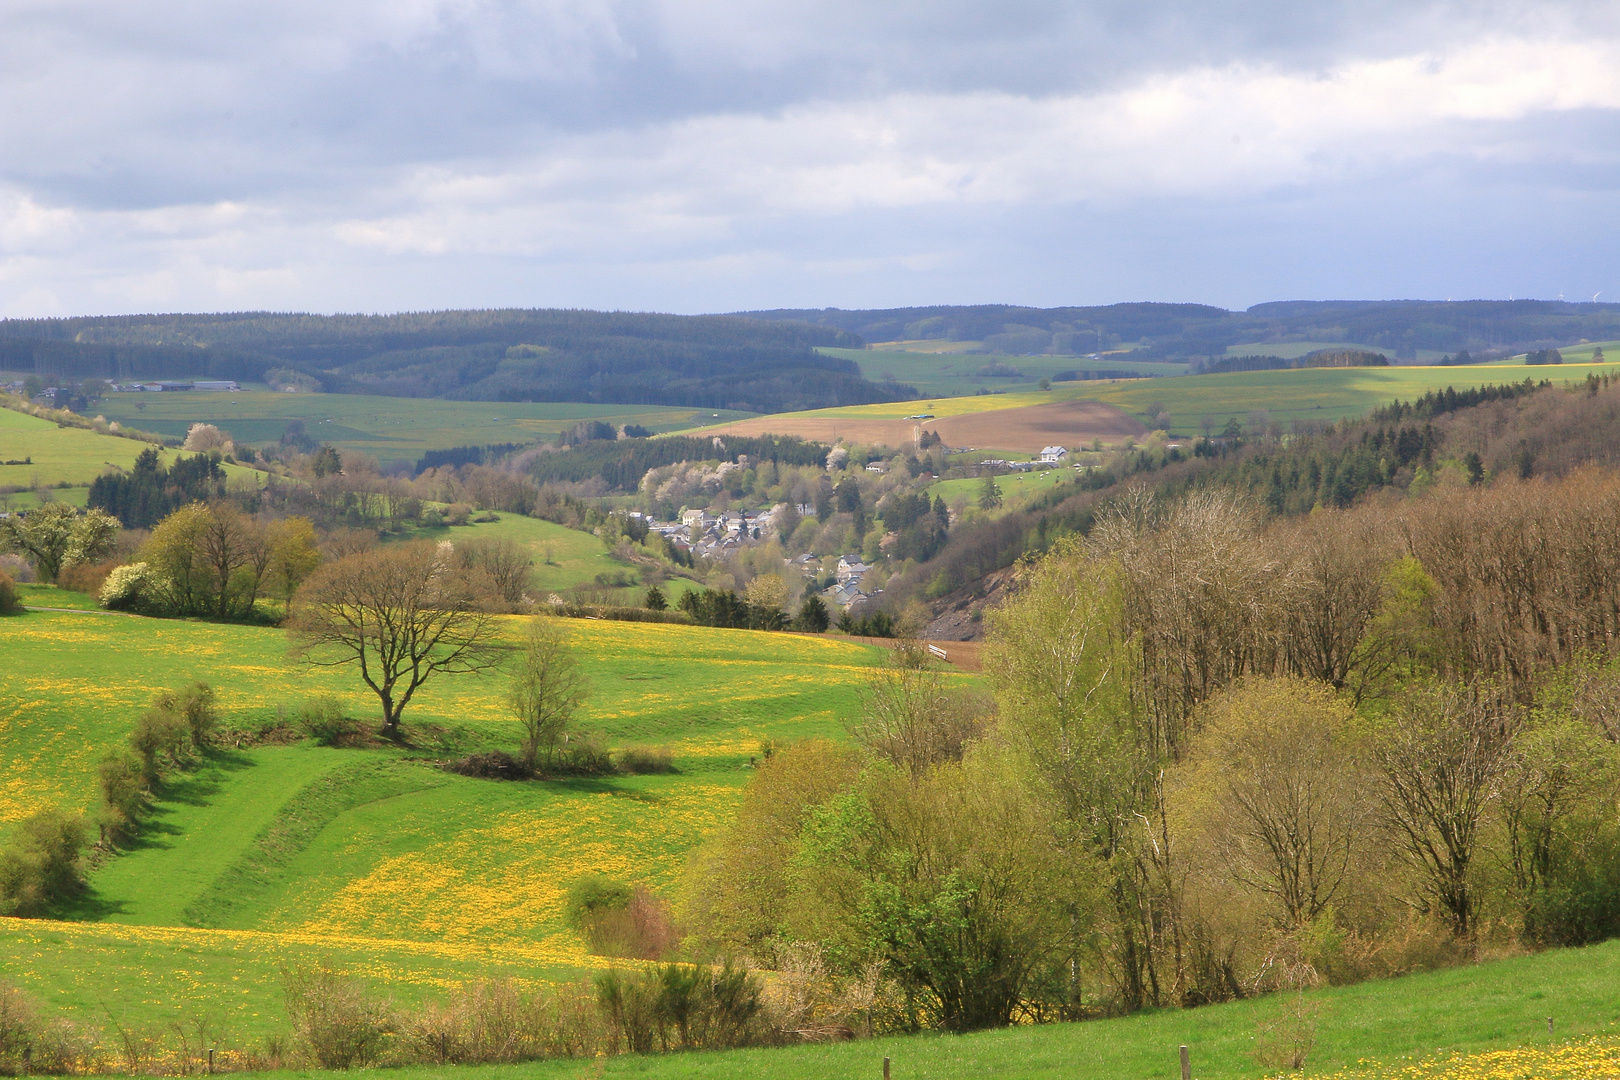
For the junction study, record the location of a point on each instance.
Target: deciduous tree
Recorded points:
(401, 615)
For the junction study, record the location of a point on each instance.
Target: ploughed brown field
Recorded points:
(1073, 424)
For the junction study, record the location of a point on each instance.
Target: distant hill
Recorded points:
(708, 361)
(1188, 332)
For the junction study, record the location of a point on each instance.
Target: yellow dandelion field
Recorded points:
(1596, 1057)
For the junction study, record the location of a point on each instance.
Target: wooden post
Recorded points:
(885, 1069)
(1186, 1065)
(210, 1061)
(1549, 1025)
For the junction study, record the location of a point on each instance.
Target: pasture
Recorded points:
(374, 859)
(387, 428)
(943, 371)
(69, 455)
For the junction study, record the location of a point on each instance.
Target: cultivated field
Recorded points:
(389, 429)
(1021, 423)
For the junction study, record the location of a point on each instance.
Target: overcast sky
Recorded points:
(384, 155)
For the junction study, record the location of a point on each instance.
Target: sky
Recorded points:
(672, 155)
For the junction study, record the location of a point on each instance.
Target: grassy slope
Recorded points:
(370, 854)
(74, 455)
(390, 429)
(1488, 1006)
(953, 373)
(1308, 394)
(563, 557)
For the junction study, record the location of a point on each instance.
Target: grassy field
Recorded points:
(389, 429)
(376, 858)
(66, 454)
(1015, 487)
(951, 374)
(563, 557)
(1374, 1029)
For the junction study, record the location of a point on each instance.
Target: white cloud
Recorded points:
(325, 154)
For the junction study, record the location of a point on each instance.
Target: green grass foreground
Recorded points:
(1493, 1005)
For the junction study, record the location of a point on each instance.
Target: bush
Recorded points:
(31, 1046)
(10, 604)
(321, 719)
(16, 567)
(123, 793)
(334, 1019)
(160, 740)
(682, 1007)
(644, 760)
(457, 513)
(194, 705)
(84, 577)
(496, 765)
(617, 919)
(42, 865)
(582, 755)
(125, 587)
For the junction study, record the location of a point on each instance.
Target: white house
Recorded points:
(1052, 454)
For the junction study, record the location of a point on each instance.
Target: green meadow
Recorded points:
(389, 429)
(67, 455)
(951, 374)
(374, 860)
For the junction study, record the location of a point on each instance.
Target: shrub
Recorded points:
(125, 587)
(42, 865)
(321, 718)
(85, 577)
(617, 919)
(582, 755)
(194, 705)
(457, 513)
(334, 1018)
(682, 1007)
(123, 793)
(160, 741)
(10, 604)
(17, 567)
(31, 1046)
(495, 765)
(643, 760)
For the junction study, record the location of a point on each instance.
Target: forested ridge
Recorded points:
(507, 355)
(1192, 331)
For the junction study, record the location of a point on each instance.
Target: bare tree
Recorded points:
(506, 562)
(917, 720)
(402, 614)
(547, 689)
(1443, 757)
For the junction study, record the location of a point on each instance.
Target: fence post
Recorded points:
(210, 1061)
(1186, 1065)
(885, 1069)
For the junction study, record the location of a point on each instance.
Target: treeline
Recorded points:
(150, 492)
(1320, 358)
(1226, 754)
(621, 463)
(511, 355)
(465, 455)
(1444, 437)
